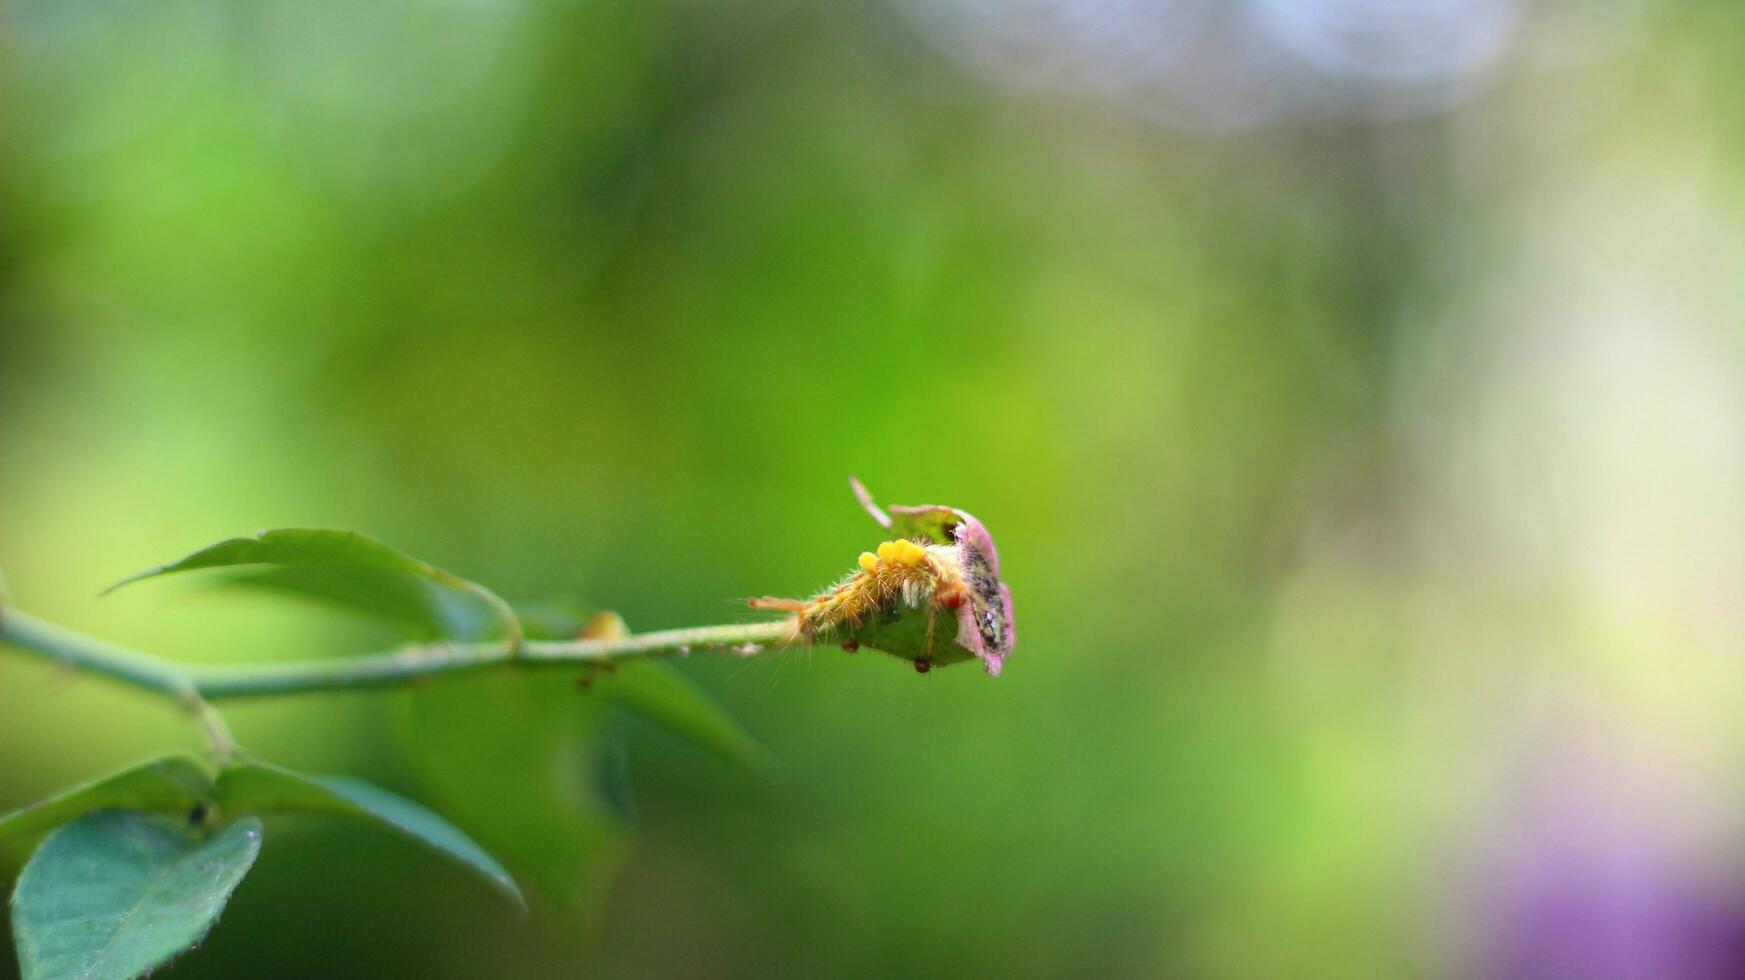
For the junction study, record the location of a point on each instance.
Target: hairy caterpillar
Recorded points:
(903, 598)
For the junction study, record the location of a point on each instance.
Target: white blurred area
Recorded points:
(1551, 688)
(1222, 65)
(1586, 550)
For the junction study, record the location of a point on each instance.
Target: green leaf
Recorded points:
(262, 787)
(168, 784)
(311, 548)
(663, 695)
(116, 893)
(666, 696)
(516, 755)
(426, 609)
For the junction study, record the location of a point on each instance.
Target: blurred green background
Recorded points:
(1354, 390)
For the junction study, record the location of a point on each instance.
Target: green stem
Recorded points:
(190, 684)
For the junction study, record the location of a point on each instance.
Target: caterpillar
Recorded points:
(941, 568)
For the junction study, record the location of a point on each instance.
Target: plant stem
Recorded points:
(195, 686)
